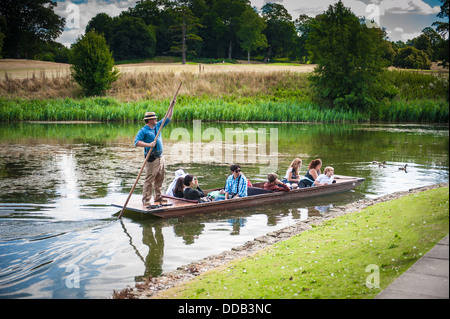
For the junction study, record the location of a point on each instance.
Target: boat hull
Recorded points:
(177, 208)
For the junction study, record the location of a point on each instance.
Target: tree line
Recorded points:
(202, 30)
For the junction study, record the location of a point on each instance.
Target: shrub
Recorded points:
(412, 58)
(92, 64)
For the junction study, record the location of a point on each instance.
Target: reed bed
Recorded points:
(217, 96)
(189, 108)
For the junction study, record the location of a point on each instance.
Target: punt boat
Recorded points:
(176, 207)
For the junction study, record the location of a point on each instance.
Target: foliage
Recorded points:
(102, 24)
(250, 32)
(412, 58)
(349, 58)
(131, 38)
(443, 29)
(280, 31)
(231, 108)
(92, 64)
(28, 23)
(186, 27)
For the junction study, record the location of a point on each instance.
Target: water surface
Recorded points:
(59, 237)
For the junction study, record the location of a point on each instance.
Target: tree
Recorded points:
(102, 24)
(229, 12)
(28, 22)
(423, 43)
(185, 30)
(250, 32)
(435, 41)
(302, 27)
(349, 58)
(92, 64)
(443, 29)
(280, 29)
(412, 58)
(131, 38)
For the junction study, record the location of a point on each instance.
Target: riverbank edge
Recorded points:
(154, 285)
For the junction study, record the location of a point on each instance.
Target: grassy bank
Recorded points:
(330, 260)
(228, 96)
(222, 109)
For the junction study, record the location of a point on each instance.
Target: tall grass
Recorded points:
(135, 86)
(226, 96)
(187, 109)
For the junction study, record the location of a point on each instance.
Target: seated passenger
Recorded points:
(192, 190)
(178, 190)
(178, 173)
(292, 176)
(275, 185)
(325, 178)
(236, 184)
(312, 174)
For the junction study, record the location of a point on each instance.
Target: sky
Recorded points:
(402, 19)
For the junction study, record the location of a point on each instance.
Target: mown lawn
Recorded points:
(341, 258)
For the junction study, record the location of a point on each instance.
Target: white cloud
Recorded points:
(398, 29)
(408, 36)
(87, 11)
(409, 6)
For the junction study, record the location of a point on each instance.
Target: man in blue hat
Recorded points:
(154, 167)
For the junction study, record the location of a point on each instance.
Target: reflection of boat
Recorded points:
(179, 207)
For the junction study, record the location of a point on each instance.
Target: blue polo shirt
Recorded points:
(147, 135)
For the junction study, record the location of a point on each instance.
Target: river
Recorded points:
(60, 236)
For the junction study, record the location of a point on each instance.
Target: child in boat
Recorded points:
(325, 178)
(275, 185)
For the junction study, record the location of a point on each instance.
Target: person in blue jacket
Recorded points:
(154, 167)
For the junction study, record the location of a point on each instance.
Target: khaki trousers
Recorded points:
(154, 178)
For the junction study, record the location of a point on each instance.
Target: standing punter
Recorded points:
(154, 167)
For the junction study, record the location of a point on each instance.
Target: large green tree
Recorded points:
(443, 28)
(131, 38)
(348, 56)
(92, 64)
(250, 32)
(185, 32)
(280, 29)
(102, 24)
(229, 13)
(28, 23)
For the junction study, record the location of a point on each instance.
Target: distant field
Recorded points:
(22, 69)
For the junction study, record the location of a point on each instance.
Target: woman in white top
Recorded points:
(292, 176)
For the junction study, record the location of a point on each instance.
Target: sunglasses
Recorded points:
(237, 171)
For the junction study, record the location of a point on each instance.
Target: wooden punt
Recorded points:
(176, 207)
